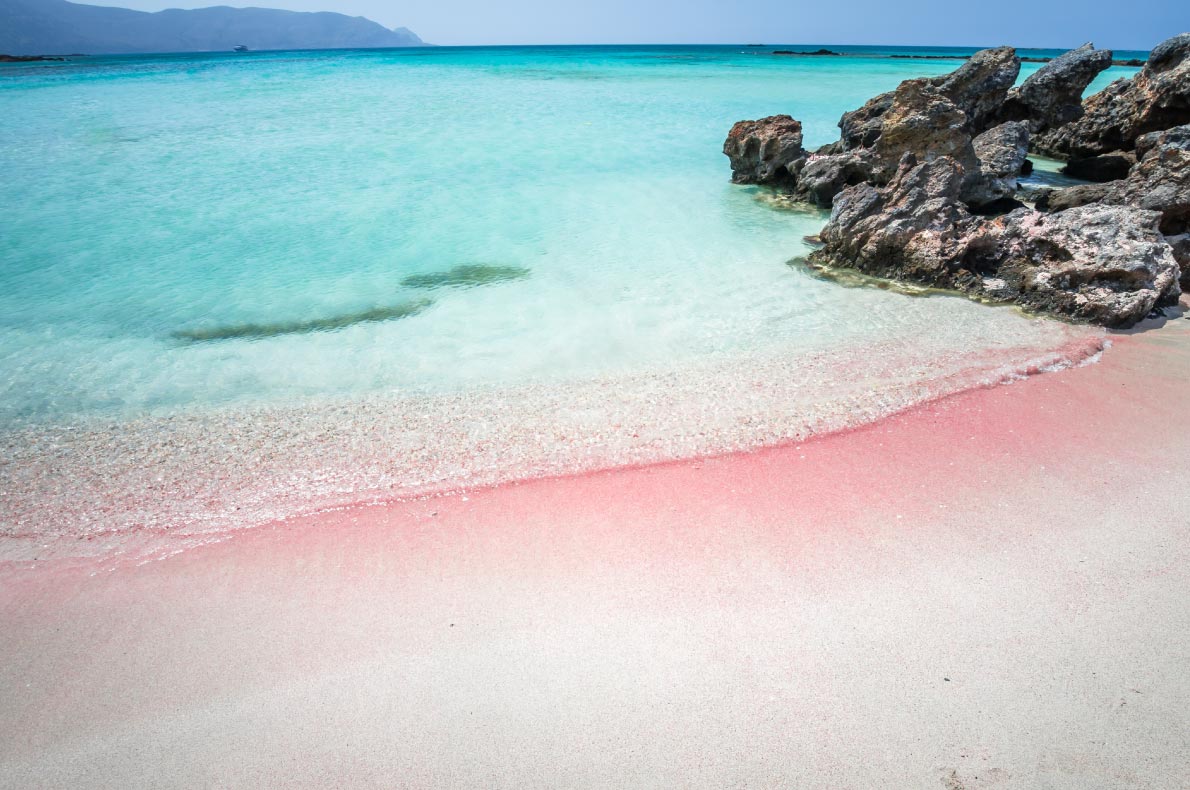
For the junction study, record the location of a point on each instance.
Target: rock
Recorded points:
(1103, 264)
(768, 151)
(1070, 197)
(1002, 152)
(1181, 253)
(815, 52)
(825, 176)
(922, 121)
(978, 88)
(1159, 182)
(1155, 99)
(1052, 96)
(911, 229)
(1105, 167)
(861, 128)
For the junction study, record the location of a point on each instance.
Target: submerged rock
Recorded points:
(1157, 98)
(254, 331)
(467, 275)
(767, 151)
(1104, 264)
(1053, 95)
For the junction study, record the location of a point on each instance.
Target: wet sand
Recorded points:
(989, 591)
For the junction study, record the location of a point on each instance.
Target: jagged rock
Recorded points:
(825, 176)
(768, 151)
(1160, 182)
(979, 87)
(1002, 151)
(1052, 96)
(910, 229)
(1181, 253)
(1104, 264)
(922, 121)
(1157, 98)
(861, 128)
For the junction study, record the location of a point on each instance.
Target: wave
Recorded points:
(99, 486)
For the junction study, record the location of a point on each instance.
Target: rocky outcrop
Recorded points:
(1155, 99)
(923, 182)
(1159, 182)
(1104, 264)
(1053, 95)
(1001, 152)
(768, 151)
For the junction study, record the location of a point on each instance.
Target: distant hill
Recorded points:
(56, 27)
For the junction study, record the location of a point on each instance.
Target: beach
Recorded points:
(456, 417)
(987, 591)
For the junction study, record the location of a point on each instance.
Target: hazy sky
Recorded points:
(1136, 24)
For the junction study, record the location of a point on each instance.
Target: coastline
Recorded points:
(984, 591)
(133, 490)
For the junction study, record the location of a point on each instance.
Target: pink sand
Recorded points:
(987, 592)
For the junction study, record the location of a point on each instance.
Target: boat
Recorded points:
(240, 48)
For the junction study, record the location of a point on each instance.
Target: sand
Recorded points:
(985, 592)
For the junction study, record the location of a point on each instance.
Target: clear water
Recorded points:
(192, 237)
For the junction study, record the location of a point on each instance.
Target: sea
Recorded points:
(235, 288)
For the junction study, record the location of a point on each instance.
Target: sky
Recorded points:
(1022, 23)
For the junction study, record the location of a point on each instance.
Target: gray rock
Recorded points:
(1160, 182)
(1104, 264)
(922, 121)
(1155, 99)
(768, 151)
(979, 87)
(1071, 197)
(861, 128)
(1107, 265)
(1181, 253)
(825, 176)
(1105, 167)
(1052, 96)
(911, 229)
(1002, 151)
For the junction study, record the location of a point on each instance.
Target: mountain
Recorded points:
(43, 27)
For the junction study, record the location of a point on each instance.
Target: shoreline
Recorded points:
(314, 458)
(988, 590)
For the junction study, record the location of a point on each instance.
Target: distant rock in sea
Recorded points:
(815, 52)
(29, 27)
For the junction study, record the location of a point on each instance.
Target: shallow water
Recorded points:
(343, 244)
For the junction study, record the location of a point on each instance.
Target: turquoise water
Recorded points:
(189, 235)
